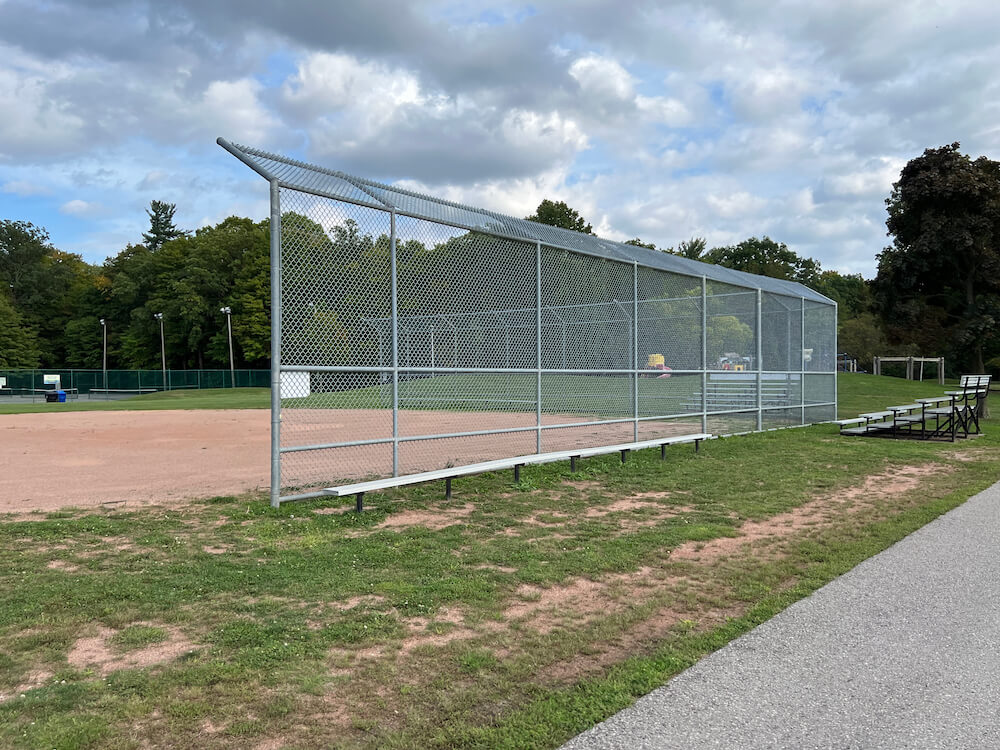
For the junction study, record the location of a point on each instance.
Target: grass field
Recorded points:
(589, 394)
(511, 616)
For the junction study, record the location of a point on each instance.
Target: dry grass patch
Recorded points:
(98, 654)
(822, 511)
(430, 519)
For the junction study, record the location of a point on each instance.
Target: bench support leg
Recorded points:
(447, 488)
(697, 446)
(624, 455)
(517, 472)
(572, 464)
(663, 451)
(359, 504)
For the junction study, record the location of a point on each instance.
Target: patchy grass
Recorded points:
(511, 616)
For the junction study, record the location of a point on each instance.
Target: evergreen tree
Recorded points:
(161, 225)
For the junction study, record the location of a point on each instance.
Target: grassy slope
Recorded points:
(295, 630)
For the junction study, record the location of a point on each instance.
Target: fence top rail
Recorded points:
(310, 178)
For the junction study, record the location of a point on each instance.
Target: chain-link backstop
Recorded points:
(412, 334)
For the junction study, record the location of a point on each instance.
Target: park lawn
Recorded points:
(511, 616)
(609, 397)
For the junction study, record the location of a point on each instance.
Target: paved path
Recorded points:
(901, 652)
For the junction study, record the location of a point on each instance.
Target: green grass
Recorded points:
(206, 398)
(859, 393)
(332, 630)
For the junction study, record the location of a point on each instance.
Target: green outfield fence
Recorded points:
(24, 383)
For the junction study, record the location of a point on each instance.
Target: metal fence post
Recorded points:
(538, 346)
(760, 364)
(802, 357)
(836, 396)
(704, 354)
(275, 344)
(394, 313)
(635, 351)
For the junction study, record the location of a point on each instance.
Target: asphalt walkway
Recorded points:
(901, 652)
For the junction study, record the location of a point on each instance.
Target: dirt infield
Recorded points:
(81, 458)
(54, 460)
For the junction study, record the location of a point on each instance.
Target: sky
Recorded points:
(723, 119)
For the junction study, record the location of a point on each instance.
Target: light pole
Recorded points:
(163, 350)
(229, 326)
(104, 329)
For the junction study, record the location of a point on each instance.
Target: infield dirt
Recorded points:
(51, 461)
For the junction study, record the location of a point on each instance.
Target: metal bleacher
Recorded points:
(955, 414)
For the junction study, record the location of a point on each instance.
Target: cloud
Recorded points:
(663, 121)
(24, 188)
(80, 208)
(379, 119)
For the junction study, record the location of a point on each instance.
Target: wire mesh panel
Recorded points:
(781, 332)
(731, 328)
(418, 334)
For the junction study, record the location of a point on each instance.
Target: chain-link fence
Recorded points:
(417, 334)
(100, 385)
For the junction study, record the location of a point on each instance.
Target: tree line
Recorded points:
(936, 293)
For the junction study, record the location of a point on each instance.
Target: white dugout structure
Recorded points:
(410, 334)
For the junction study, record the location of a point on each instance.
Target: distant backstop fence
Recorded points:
(31, 385)
(411, 334)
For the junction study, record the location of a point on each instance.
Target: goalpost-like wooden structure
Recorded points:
(910, 362)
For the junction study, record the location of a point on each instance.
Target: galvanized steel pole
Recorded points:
(760, 403)
(394, 312)
(704, 354)
(538, 346)
(635, 351)
(275, 344)
(802, 357)
(163, 350)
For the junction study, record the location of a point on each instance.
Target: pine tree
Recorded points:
(161, 225)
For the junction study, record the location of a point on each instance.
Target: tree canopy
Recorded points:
(766, 258)
(558, 214)
(939, 282)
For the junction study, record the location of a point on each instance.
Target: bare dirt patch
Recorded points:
(544, 609)
(639, 638)
(814, 513)
(94, 652)
(35, 679)
(62, 565)
(431, 519)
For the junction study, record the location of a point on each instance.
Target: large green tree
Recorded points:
(941, 276)
(558, 214)
(765, 257)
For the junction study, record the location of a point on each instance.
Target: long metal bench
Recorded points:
(359, 489)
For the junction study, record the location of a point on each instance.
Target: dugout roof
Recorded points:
(309, 178)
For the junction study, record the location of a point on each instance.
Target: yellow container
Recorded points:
(655, 360)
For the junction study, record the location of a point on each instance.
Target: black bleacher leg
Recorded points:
(624, 454)
(359, 502)
(447, 488)
(572, 464)
(697, 446)
(663, 451)
(517, 472)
